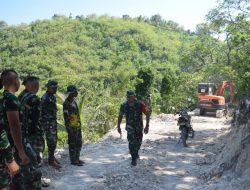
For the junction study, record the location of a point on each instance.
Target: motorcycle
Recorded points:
(184, 123)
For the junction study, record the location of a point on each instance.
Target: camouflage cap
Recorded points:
(130, 93)
(71, 89)
(52, 84)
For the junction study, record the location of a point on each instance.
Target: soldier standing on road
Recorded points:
(30, 103)
(73, 126)
(31, 127)
(133, 110)
(49, 121)
(11, 123)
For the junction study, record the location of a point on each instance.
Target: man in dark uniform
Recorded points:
(32, 131)
(73, 126)
(49, 121)
(7, 161)
(30, 103)
(9, 114)
(133, 110)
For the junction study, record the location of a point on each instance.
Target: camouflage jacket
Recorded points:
(133, 112)
(8, 102)
(71, 114)
(30, 105)
(48, 108)
(4, 142)
(5, 148)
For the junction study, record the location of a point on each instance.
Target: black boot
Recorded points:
(137, 156)
(133, 162)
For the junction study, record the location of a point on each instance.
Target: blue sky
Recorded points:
(187, 13)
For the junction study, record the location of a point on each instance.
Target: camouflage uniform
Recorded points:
(134, 124)
(73, 127)
(29, 178)
(6, 155)
(49, 122)
(31, 126)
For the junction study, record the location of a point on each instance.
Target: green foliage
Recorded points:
(217, 72)
(98, 115)
(240, 55)
(145, 78)
(183, 86)
(231, 18)
(168, 83)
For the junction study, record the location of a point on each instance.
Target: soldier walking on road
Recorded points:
(73, 126)
(133, 110)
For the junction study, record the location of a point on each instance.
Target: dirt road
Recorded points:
(164, 163)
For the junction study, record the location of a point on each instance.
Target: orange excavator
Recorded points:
(209, 101)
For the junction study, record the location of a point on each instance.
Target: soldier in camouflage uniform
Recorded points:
(9, 114)
(133, 110)
(6, 154)
(8, 166)
(30, 103)
(49, 121)
(32, 131)
(73, 126)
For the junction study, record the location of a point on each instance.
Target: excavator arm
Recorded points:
(223, 86)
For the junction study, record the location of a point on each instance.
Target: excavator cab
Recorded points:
(206, 88)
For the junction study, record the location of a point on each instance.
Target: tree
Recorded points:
(156, 20)
(58, 16)
(167, 84)
(3, 24)
(125, 17)
(145, 78)
(231, 18)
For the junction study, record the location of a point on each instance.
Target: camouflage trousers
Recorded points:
(29, 177)
(134, 136)
(75, 144)
(38, 144)
(5, 178)
(51, 139)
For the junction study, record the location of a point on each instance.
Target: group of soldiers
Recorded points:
(24, 121)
